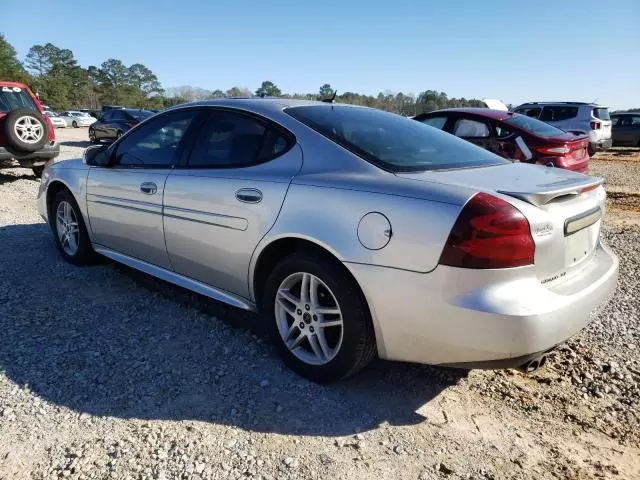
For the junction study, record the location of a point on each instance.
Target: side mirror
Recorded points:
(97, 156)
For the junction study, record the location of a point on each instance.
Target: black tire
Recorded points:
(591, 150)
(37, 171)
(358, 346)
(118, 134)
(84, 254)
(74, 124)
(92, 136)
(21, 115)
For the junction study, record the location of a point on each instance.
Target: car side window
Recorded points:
(156, 143)
(436, 122)
(467, 128)
(556, 114)
(233, 140)
(106, 116)
(635, 121)
(614, 121)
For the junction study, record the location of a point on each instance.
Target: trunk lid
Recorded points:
(564, 210)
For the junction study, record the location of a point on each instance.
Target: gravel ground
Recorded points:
(108, 373)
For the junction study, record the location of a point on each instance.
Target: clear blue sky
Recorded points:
(512, 50)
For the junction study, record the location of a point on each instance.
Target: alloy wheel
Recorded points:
(67, 228)
(309, 318)
(28, 129)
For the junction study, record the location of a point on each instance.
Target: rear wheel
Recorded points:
(69, 230)
(318, 318)
(75, 124)
(591, 150)
(92, 136)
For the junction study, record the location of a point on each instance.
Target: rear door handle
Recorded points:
(148, 188)
(249, 195)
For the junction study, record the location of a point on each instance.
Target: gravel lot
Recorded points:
(108, 373)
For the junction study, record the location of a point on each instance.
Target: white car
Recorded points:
(577, 117)
(56, 120)
(77, 119)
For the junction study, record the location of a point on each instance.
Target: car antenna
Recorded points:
(330, 100)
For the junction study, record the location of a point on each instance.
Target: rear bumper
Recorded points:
(31, 159)
(475, 317)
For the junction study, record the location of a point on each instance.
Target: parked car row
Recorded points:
(70, 118)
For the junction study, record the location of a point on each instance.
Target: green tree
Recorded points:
(145, 80)
(10, 67)
(268, 89)
(113, 78)
(237, 92)
(326, 91)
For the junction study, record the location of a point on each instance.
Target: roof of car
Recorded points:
(561, 103)
(483, 112)
(271, 103)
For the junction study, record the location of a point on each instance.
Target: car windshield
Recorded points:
(534, 126)
(12, 98)
(390, 141)
(601, 113)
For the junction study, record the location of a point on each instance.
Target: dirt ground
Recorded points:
(106, 373)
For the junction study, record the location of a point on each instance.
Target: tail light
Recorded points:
(557, 150)
(132, 124)
(595, 125)
(489, 233)
(52, 130)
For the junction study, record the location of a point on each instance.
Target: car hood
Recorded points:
(532, 183)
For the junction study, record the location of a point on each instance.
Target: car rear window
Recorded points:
(601, 113)
(12, 98)
(558, 113)
(534, 126)
(140, 114)
(390, 141)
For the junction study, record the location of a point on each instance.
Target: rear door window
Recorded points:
(601, 113)
(118, 116)
(558, 113)
(467, 128)
(233, 140)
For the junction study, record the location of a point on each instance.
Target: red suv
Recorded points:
(26, 134)
(514, 136)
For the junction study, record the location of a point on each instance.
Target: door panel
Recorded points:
(123, 217)
(214, 218)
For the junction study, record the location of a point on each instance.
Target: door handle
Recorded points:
(249, 195)
(148, 188)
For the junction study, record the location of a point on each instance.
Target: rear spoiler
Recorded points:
(549, 192)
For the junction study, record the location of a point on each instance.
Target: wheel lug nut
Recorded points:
(299, 312)
(301, 325)
(307, 307)
(315, 318)
(311, 329)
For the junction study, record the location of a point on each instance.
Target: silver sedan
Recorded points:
(354, 232)
(77, 119)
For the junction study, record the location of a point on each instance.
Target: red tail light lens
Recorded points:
(553, 150)
(595, 125)
(489, 233)
(132, 124)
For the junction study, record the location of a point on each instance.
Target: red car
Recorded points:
(514, 136)
(26, 135)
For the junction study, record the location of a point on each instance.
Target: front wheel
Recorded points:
(317, 318)
(75, 124)
(92, 136)
(69, 230)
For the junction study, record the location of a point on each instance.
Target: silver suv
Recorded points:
(575, 117)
